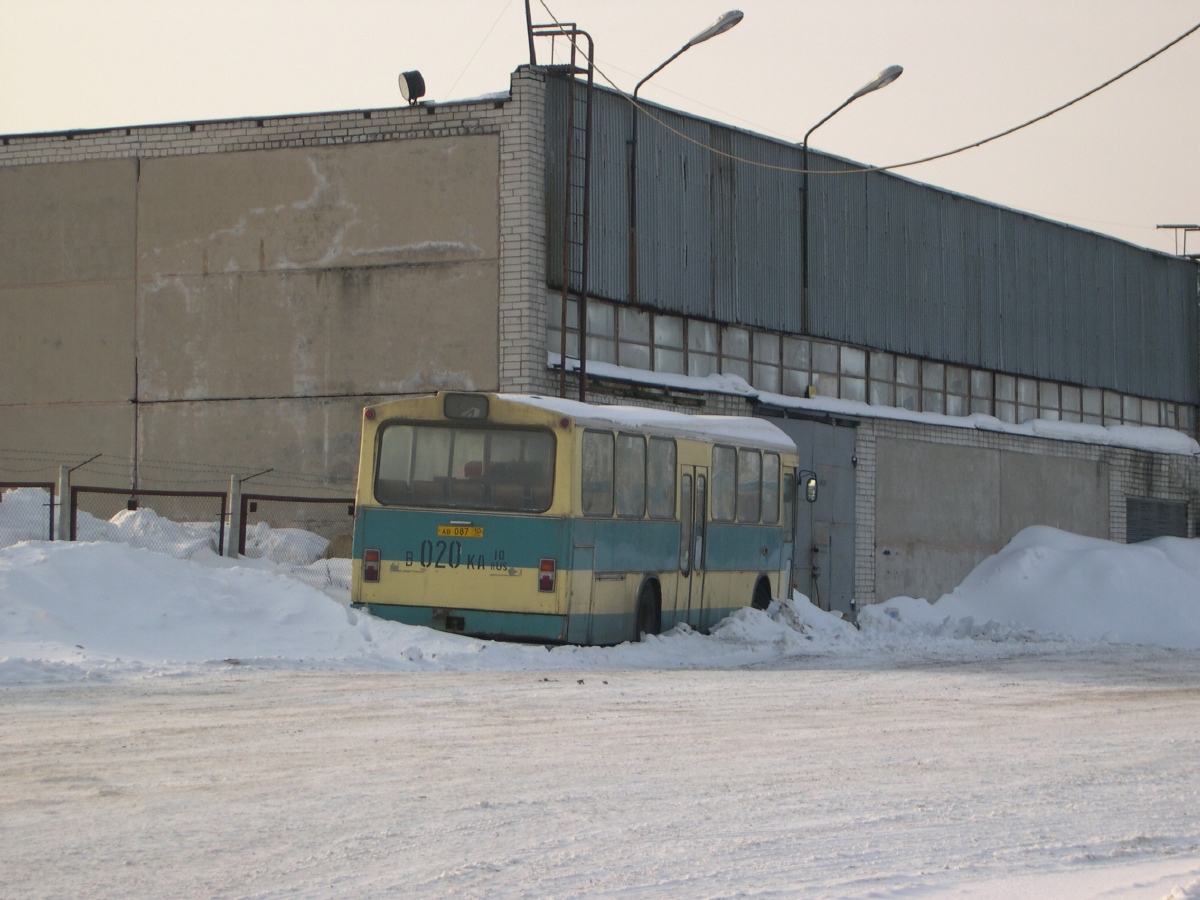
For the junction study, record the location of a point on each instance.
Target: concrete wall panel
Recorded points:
(384, 203)
(347, 331)
(67, 222)
(1071, 494)
(317, 438)
(936, 493)
(943, 508)
(49, 436)
(66, 343)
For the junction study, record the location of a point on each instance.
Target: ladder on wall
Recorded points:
(577, 193)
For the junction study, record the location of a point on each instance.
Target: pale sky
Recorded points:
(1119, 163)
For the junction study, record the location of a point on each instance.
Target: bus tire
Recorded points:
(649, 611)
(762, 594)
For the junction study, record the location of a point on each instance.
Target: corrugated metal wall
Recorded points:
(896, 265)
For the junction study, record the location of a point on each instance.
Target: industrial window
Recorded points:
(735, 352)
(1131, 410)
(1071, 402)
(602, 332)
(668, 344)
(770, 488)
(749, 485)
(702, 348)
(554, 325)
(825, 368)
(597, 474)
(630, 481)
(660, 481)
(796, 377)
(766, 362)
(1146, 519)
(724, 484)
(633, 338)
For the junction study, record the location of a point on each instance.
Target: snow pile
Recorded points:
(1049, 584)
(284, 545)
(145, 529)
(72, 610)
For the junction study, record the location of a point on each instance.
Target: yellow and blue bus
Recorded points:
(545, 520)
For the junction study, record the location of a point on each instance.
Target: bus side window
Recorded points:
(724, 483)
(631, 476)
(749, 490)
(597, 474)
(661, 478)
(770, 488)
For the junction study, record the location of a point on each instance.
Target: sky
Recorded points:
(1120, 162)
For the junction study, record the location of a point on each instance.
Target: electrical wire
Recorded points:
(477, 49)
(644, 110)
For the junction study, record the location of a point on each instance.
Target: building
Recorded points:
(226, 296)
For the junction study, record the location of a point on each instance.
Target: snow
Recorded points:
(734, 428)
(1136, 437)
(179, 723)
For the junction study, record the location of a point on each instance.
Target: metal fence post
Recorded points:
(62, 525)
(235, 517)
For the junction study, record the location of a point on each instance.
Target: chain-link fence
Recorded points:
(178, 523)
(26, 511)
(311, 536)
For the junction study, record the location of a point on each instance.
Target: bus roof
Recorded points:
(743, 430)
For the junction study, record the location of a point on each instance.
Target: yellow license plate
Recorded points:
(460, 531)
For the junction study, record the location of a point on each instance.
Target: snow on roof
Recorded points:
(1134, 437)
(735, 429)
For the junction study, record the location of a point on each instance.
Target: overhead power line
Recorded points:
(646, 111)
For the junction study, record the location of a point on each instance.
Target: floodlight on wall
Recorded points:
(412, 86)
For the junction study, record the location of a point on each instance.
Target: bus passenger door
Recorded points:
(579, 609)
(693, 535)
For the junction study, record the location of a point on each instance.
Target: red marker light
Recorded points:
(370, 569)
(368, 414)
(546, 575)
(564, 422)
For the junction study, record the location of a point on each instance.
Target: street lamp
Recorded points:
(883, 79)
(723, 24)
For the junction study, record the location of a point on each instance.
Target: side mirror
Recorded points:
(810, 486)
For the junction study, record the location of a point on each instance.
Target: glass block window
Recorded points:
(633, 338)
(668, 344)
(702, 348)
(735, 352)
(766, 362)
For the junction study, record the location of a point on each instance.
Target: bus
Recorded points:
(545, 520)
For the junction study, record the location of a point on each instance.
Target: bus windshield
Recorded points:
(465, 467)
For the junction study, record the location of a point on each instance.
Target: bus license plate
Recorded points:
(460, 531)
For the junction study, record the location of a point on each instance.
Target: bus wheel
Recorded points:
(649, 611)
(762, 594)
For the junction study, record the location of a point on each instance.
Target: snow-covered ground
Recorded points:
(187, 725)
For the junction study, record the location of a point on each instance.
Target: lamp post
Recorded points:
(723, 24)
(883, 79)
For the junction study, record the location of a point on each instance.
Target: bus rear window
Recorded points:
(465, 467)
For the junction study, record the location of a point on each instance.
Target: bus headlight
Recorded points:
(546, 575)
